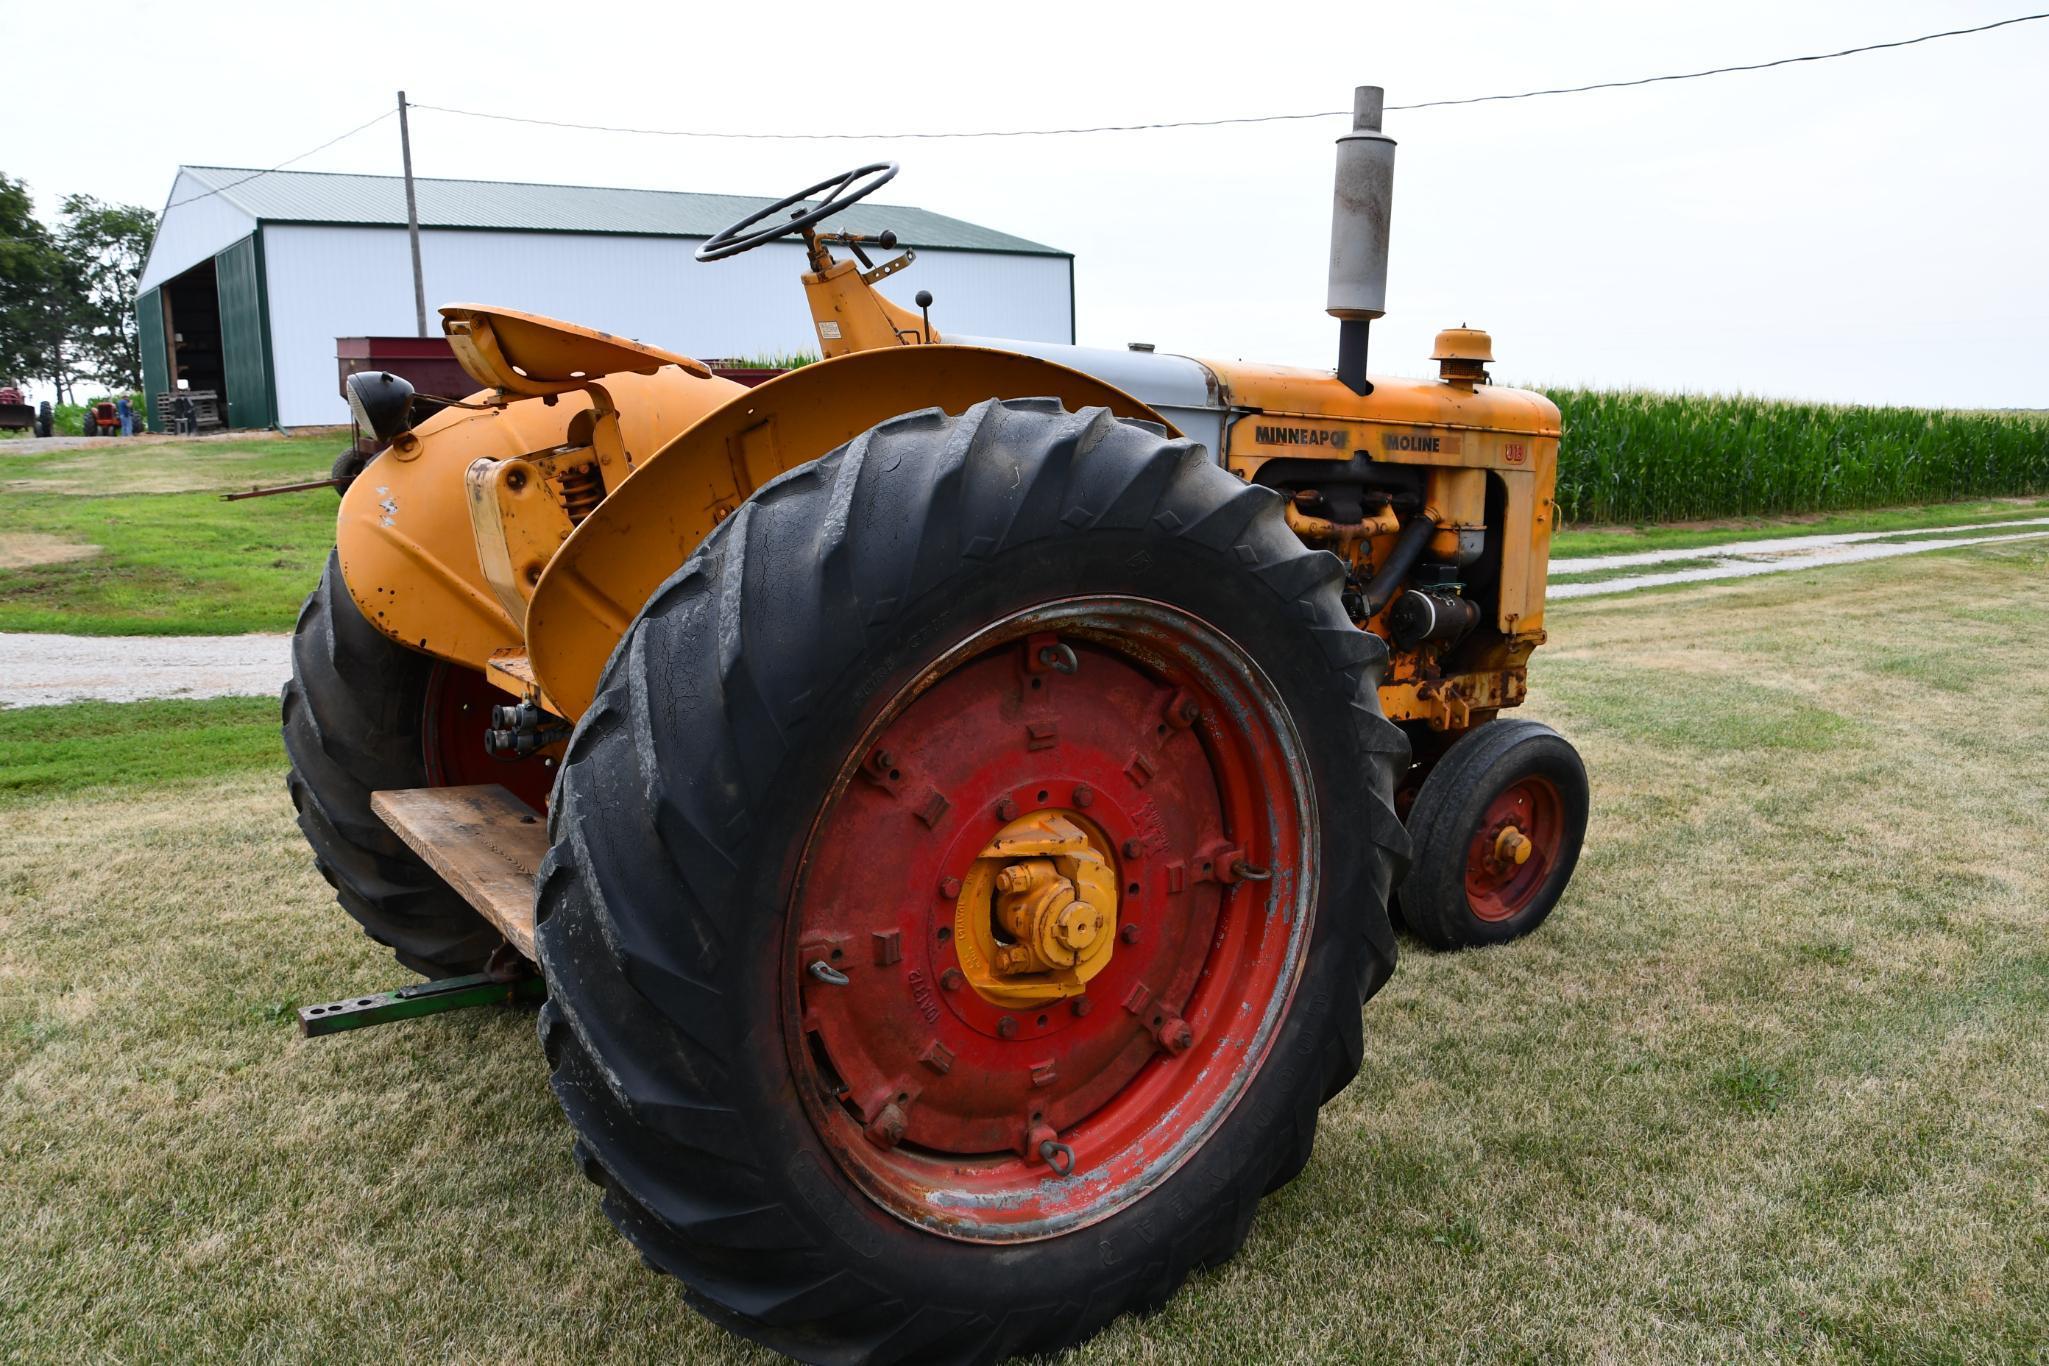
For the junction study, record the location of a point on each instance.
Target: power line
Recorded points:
(1725, 70)
(873, 137)
(190, 199)
(1218, 123)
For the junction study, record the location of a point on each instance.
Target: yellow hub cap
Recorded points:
(1037, 915)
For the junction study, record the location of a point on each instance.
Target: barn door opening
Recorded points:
(195, 362)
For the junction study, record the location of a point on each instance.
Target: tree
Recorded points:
(35, 303)
(104, 246)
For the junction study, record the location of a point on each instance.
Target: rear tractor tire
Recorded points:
(362, 713)
(1496, 828)
(785, 1017)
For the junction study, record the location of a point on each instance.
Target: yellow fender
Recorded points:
(645, 530)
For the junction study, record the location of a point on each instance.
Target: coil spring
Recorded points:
(582, 490)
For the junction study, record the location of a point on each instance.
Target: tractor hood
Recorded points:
(1202, 397)
(1182, 390)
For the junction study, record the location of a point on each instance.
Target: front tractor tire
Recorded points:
(1497, 828)
(362, 713)
(878, 717)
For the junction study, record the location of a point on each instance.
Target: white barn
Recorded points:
(253, 275)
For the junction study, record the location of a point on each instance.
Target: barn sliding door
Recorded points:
(245, 334)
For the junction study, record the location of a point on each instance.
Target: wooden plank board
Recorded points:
(485, 843)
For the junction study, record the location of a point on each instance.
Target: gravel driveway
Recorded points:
(42, 670)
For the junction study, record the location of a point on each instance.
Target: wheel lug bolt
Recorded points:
(1006, 810)
(1133, 849)
(886, 1130)
(1129, 934)
(949, 887)
(1174, 1034)
(951, 979)
(1083, 796)
(1082, 1006)
(1007, 1027)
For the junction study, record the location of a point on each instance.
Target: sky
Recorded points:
(1865, 230)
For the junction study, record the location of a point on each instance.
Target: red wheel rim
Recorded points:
(456, 715)
(1166, 744)
(1526, 818)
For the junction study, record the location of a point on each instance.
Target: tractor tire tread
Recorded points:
(351, 716)
(639, 1034)
(1432, 895)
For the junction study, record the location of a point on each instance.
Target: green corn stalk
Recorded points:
(1634, 456)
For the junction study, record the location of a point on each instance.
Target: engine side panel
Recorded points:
(1476, 459)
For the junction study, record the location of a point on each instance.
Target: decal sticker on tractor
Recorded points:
(1301, 436)
(1426, 443)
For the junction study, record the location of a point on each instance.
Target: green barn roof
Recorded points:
(511, 206)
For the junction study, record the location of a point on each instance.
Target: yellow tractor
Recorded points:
(952, 797)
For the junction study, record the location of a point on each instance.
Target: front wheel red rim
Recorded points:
(949, 1094)
(1518, 842)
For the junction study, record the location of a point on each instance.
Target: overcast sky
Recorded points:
(1870, 229)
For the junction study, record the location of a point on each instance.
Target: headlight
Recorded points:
(381, 403)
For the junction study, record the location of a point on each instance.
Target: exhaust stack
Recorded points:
(1360, 208)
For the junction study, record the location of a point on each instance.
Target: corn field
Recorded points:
(1631, 456)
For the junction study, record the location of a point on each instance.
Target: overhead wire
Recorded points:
(934, 135)
(929, 135)
(194, 198)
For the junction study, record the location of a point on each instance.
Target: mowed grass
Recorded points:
(1774, 1083)
(216, 464)
(172, 558)
(126, 745)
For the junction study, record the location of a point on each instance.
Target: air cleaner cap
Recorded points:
(1464, 343)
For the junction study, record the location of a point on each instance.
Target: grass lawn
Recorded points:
(1773, 1083)
(215, 465)
(122, 746)
(172, 558)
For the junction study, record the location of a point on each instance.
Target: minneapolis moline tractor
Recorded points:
(954, 798)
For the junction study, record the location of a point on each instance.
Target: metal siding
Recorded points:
(244, 343)
(149, 323)
(195, 227)
(329, 282)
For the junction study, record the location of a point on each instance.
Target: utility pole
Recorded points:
(405, 143)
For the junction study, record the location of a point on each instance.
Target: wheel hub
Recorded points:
(1037, 914)
(1514, 849)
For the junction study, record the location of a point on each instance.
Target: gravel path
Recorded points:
(42, 670)
(1747, 559)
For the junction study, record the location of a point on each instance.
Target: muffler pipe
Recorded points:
(1400, 563)
(1360, 208)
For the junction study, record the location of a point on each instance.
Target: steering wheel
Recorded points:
(839, 191)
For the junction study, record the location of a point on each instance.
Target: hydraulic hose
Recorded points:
(1401, 561)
